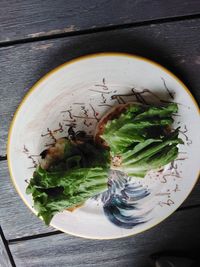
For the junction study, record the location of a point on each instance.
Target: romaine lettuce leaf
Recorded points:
(137, 124)
(144, 140)
(80, 174)
(79, 155)
(53, 192)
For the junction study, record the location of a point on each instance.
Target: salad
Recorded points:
(131, 138)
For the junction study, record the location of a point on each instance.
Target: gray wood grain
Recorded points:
(18, 221)
(179, 232)
(27, 19)
(4, 259)
(22, 65)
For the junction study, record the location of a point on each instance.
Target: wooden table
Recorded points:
(35, 37)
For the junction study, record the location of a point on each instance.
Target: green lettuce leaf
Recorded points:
(79, 175)
(54, 192)
(81, 155)
(143, 139)
(137, 124)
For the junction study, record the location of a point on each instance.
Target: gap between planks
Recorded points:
(16, 240)
(3, 158)
(99, 29)
(5, 243)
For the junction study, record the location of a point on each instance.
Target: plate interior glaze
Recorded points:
(75, 96)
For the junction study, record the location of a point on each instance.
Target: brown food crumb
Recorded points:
(116, 161)
(74, 208)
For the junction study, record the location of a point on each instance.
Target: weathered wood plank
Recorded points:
(4, 258)
(23, 65)
(18, 221)
(179, 232)
(26, 19)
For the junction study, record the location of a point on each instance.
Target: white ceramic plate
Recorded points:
(77, 94)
